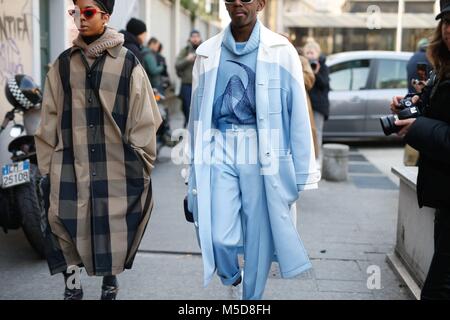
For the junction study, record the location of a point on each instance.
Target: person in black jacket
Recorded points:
(430, 135)
(161, 60)
(319, 93)
(420, 56)
(135, 36)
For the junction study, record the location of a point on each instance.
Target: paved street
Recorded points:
(346, 227)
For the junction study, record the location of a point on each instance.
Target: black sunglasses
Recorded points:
(243, 1)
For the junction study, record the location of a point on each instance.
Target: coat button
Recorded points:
(194, 192)
(89, 75)
(91, 126)
(94, 174)
(196, 224)
(92, 150)
(268, 154)
(90, 100)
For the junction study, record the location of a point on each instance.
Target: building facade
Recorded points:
(346, 25)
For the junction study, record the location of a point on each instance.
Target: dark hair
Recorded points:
(438, 53)
(152, 41)
(196, 32)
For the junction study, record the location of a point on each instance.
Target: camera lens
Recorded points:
(388, 125)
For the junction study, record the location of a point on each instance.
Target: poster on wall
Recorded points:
(16, 43)
(16, 54)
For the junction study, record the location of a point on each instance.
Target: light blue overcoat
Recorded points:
(286, 149)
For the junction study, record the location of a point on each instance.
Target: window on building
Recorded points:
(350, 75)
(391, 74)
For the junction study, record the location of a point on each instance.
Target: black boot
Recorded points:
(110, 288)
(71, 294)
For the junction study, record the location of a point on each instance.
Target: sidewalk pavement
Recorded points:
(346, 227)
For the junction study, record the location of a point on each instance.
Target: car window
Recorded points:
(350, 75)
(391, 74)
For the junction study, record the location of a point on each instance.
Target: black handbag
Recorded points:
(189, 215)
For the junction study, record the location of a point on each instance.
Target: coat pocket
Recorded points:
(288, 182)
(198, 93)
(140, 159)
(274, 90)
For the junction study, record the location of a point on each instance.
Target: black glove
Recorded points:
(189, 215)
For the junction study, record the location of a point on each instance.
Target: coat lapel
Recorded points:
(211, 60)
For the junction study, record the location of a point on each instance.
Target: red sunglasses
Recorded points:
(88, 13)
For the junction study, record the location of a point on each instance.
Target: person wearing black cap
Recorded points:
(184, 66)
(419, 57)
(97, 145)
(429, 134)
(135, 37)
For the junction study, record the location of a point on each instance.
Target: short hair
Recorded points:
(195, 32)
(312, 45)
(152, 41)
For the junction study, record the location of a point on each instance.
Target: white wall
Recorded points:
(162, 27)
(59, 23)
(19, 52)
(202, 26)
(124, 11)
(186, 28)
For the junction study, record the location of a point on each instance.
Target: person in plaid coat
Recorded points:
(97, 144)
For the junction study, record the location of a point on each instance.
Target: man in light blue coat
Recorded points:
(251, 152)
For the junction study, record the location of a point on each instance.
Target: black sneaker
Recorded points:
(110, 288)
(109, 292)
(73, 294)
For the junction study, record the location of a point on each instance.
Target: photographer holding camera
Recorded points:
(430, 135)
(320, 91)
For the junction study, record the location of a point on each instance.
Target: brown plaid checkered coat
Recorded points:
(97, 143)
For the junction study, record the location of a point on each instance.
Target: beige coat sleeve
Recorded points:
(310, 79)
(144, 118)
(308, 73)
(47, 134)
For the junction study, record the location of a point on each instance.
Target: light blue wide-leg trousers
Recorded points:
(239, 209)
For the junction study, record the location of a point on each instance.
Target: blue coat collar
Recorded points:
(268, 39)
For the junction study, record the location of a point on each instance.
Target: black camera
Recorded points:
(314, 64)
(408, 111)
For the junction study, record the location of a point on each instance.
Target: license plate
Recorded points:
(15, 174)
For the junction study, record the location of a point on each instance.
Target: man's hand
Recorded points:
(418, 85)
(191, 57)
(317, 68)
(395, 104)
(406, 125)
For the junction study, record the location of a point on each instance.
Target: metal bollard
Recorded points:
(335, 162)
